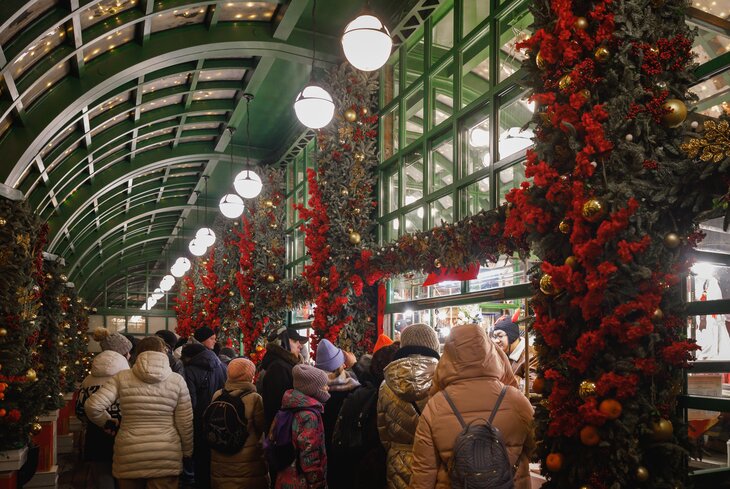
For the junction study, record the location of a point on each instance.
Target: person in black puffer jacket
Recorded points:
(204, 374)
(170, 340)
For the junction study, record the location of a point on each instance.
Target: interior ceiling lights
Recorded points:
(197, 248)
(167, 282)
(367, 43)
(247, 183)
(231, 206)
(314, 106)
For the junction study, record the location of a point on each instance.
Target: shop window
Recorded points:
(476, 138)
(510, 178)
(442, 36)
(413, 175)
(393, 230)
(513, 29)
(475, 70)
(512, 117)
(414, 62)
(391, 79)
(391, 186)
(507, 271)
(414, 220)
(390, 130)
(442, 93)
(477, 196)
(475, 12)
(414, 116)
(442, 210)
(713, 95)
(442, 165)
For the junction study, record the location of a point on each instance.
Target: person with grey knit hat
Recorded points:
(306, 399)
(402, 397)
(113, 341)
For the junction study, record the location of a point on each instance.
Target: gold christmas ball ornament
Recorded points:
(36, 428)
(546, 285)
(323, 280)
(251, 305)
(3, 332)
(672, 241)
(602, 54)
(345, 192)
(565, 82)
(49, 276)
(77, 362)
(231, 293)
(564, 226)
(437, 263)
(359, 157)
(268, 203)
(593, 210)
(357, 211)
(31, 375)
(658, 315)
(259, 348)
(586, 93)
(270, 278)
(662, 430)
(364, 111)
(63, 278)
(571, 261)
(355, 237)
(587, 389)
(350, 115)
(3, 222)
(581, 23)
(677, 113)
(540, 61)
(63, 369)
(642, 474)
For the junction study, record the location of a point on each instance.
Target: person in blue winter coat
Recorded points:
(204, 374)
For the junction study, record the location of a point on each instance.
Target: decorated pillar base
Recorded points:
(10, 462)
(44, 479)
(46, 441)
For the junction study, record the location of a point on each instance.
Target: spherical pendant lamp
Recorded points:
(367, 43)
(151, 303)
(197, 248)
(231, 206)
(167, 282)
(176, 270)
(157, 294)
(248, 184)
(314, 107)
(183, 263)
(206, 236)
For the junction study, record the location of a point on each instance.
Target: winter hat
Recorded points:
(202, 334)
(168, 337)
(329, 357)
(151, 343)
(420, 335)
(511, 329)
(241, 370)
(383, 340)
(310, 381)
(112, 341)
(382, 359)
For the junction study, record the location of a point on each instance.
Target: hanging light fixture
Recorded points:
(157, 294)
(184, 264)
(366, 42)
(167, 282)
(197, 248)
(231, 205)
(314, 106)
(205, 235)
(247, 183)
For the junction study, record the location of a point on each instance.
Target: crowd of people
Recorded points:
(189, 414)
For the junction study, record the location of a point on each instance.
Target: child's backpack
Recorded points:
(357, 422)
(479, 459)
(279, 445)
(225, 423)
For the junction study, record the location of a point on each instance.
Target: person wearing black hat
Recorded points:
(204, 374)
(170, 340)
(506, 335)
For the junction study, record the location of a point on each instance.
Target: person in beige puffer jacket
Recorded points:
(473, 371)
(402, 397)
(157, 419)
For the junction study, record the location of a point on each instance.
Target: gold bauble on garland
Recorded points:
(350, 115)
(672, 241)
(587, 389)
(602, 54)
(564, 226)
(49, 276)
(231, 293)
(565, 82)
(355, 237)
(642, 474)
(540, 61)
(571, 261)
(36, 428)
(593, 210)
(3, 332)
(31, 375)
(270, 278)
(437, 263)
(662, 430)
(658, 315)
(581, 23)
(63, 369)
(3, 222)
(268, 203)
(546, 285)
(676, 115)
(359, 157)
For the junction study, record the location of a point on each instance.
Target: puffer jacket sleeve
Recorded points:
(81, 399)
(184, 418)
(97, 405)
(310, 450)
(426, 460)
(382, 419)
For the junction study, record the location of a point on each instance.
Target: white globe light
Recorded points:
(157, 294)
(176, 270)
(197, 248)
(206, 236)
(167, 282)
(314, 107)
(248, 184)
(231, 206)
(151, 303)
(366, 43)
(478, 137)
(183, 264)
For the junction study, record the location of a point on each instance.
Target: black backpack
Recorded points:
(225, 423)
(479, 459)
(356, 427)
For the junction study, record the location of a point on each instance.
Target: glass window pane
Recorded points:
(442, 36)
(476, 141)
(716, 239)
(300, 169)
(710, 282)
(291, 213)
(408, 288)
(510, 178)
(442, 93)
(442, 165)
(414, 62)
(391, 78)
(414, 220)
(442, 210)
(390, 190)
(413, 173)
(512, 117)
(709, 44)
(414, 116)
(301, 197)
(299, 245)
(714, 95)
(512, 30)
(475, 72)
(392, 231)
(475, 11)
(507, 271)
(477, 196)
(707, 430)
(389, 129)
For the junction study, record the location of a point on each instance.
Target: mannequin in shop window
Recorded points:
(506, 335)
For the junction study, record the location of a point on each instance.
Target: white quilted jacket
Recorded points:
(157, 418)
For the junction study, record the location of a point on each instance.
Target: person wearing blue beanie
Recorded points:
(506, 335)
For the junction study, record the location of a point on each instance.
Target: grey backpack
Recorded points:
(479, 459)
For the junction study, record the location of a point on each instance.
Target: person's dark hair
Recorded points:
(381, 359)
(180, 342)
(134, 340)
(151, 343)
(229, 352)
